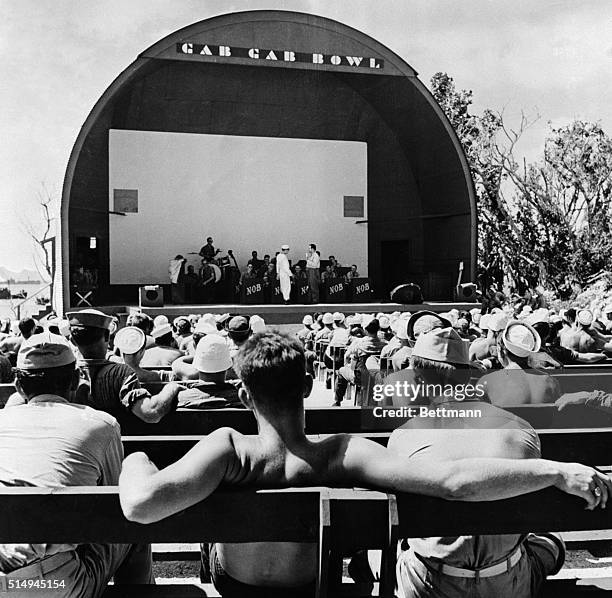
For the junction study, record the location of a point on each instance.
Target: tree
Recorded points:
(42, 230)
(541, 223)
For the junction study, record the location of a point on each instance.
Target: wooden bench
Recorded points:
(320, 515)
(410, 515)
(93, 514)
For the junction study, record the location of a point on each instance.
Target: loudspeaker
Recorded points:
(466, 292)
(151, 296)
(407, 293)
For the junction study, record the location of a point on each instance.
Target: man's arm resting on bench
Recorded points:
(148, 494)
(598, 399)
(473, 479)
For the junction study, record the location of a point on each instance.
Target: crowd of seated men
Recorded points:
(79, 379)
(512, 351)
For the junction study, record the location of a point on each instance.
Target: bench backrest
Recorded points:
(342, 521)
(86, 514)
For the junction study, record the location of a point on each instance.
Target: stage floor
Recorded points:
(283, 314)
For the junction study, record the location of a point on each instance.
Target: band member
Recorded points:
(208, 250)
(313, 265)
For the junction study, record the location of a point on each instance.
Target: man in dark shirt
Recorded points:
(255, 262)
(112, 387)
(208, 250)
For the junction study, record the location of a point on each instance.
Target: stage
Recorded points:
(280, 314)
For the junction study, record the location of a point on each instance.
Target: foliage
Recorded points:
(542, 223)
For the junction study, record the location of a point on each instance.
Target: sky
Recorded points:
(551, 58)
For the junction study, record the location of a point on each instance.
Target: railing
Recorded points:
(17, 308)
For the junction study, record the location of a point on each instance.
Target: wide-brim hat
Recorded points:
(521, 338)
(161, 330)
(443, 345)
(428, 321)
(212, 355)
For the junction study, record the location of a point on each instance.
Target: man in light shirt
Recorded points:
(313, 265)
(51, 442)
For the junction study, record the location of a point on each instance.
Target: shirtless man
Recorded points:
(517, 383)
(579, 336)
(272, 369)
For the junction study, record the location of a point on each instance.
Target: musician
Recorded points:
(352, 273)
(265, 265)
(255, 262)
(298, 273)
(334, 265)
(208, 250)
(249, 274)
(328, 274)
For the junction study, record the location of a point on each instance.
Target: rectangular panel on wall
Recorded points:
(125, 200)
(354, 206)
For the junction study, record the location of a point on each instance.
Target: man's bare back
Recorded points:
(270, 463)
(515, 386)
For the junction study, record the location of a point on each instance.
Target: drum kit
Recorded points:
(225, 267)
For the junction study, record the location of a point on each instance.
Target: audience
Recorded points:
(271, 367)
(515, 344)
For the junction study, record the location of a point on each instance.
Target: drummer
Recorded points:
(208, 250)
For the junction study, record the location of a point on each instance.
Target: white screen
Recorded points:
(248, 193)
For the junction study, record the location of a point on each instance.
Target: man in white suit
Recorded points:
(283, 271)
